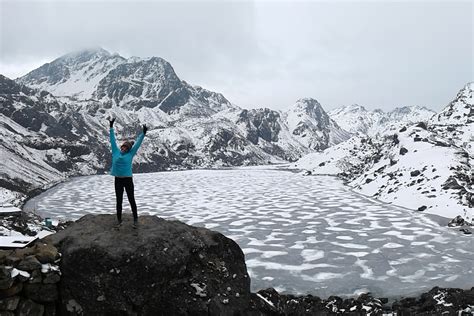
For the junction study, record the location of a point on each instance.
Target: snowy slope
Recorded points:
(357, 119)
(75, 75)
(421, 167)
(312, 126)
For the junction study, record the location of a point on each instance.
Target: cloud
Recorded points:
(264, 53)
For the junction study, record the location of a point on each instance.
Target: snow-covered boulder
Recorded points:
(163, 268)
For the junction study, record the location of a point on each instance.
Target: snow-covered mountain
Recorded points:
(423, 166)
(456, 121)
(357, 119)
(58, 115)
(74, 75)
(312, 126)
(112, 80)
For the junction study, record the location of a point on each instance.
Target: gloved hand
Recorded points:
(111, 121)
(144, 129)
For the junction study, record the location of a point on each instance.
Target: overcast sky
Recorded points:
(264, 53)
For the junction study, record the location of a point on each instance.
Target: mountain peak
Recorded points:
(414, 110)
(306, 105)
(460, 110)
(84, 55)
(307, 101)
(355, 108)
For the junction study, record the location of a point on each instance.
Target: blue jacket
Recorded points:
(122, 162)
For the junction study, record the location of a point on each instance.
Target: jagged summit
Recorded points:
(85, 54)
(96, 75)
(310, 123)
(460, 110)
(357, 119)
(76, 74)
(308, 101)
(350, 108)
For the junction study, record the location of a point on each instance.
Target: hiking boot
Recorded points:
(118, 225)
(135, 225)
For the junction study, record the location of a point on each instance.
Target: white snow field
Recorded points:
(299, 234)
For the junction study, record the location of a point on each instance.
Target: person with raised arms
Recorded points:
(122, 160)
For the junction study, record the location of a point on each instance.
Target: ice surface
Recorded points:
(299, 234)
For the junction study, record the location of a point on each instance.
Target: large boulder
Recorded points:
(161, 268)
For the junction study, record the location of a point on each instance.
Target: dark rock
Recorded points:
(3, 255)
(422, 125)
(46, 253)
(166, 268)
(13, 290)
(29, 308)
(368, 180)
(270, 302)
(466, 231)
(41, 292)
(451, 184)
(403, 129)
(417, 139)
(30, 263)
(458, 221)
(307, 173)
(403, 151)
(9, 303)
(36, 277)
(415, 173)
(422, 208)
(12, 260)
(23, 252)
(380, 169)
(322, 164)
(395, 139)
(441, 143)
(50, 309)
(51, 278)
(6, 279)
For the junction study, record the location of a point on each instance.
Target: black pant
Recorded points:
(127, 184)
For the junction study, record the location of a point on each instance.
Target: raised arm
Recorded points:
(113, 142)
(139, 141)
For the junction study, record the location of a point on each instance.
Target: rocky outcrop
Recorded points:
(162, 268)
(169, 268)
(29, 280)
(438, 301)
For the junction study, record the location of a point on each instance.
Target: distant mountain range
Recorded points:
(356, 119)
(54, 121)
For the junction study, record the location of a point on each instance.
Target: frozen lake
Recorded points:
(299, 234)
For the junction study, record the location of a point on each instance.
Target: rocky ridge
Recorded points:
(423, 166)
(357, 119)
